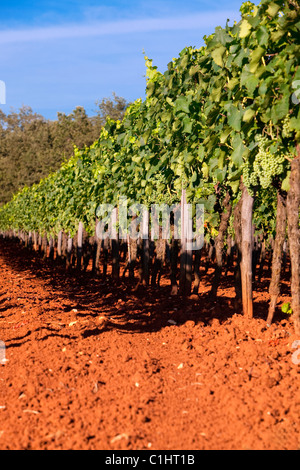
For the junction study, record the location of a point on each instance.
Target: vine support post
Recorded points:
(115, 246)
(274, 288)
(293, 203)
(97, 249)
(79, 245)
(40, 238)
(35, 240)
(219, 243)
(174, 262)
(30, 239)
(69, 251)
(51, 247)
(238, 249)
(45, 244)
(145, 248)
(59, 244)
(246, 249)
(186, 252)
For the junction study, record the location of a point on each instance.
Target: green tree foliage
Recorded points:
(31, 147)
(113, 108)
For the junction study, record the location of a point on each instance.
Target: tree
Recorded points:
(31, 146)
(113, 108)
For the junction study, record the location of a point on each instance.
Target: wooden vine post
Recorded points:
(186, 252)
(59, 243)
(97, 249)
(35, 240)
(69, 251)
(174, 261)
(293, 204)
(274, 288)
(115, 245)
(79, 245)
(145, 249)
(51, 248)
(246, 249)
(219, 242)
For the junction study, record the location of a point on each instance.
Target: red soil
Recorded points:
(157, 372)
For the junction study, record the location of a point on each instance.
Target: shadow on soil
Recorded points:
(128, 308)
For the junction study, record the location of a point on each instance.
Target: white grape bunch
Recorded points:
(266, 165)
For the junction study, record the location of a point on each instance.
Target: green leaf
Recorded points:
(184, 61)
(248, 114)
(194, 177)
(240, 58)
(224, 135)
(193, 70)
(233, 82)
(166, 116)
(280, 109)
(187, 125)
(245, 29)
(205, 170)
(239, 148)
(213, 164)
(264, 87)
(216, 94)
(201, 153)
(262, 36)
(220, 174)
(169, 101)
(210, 202)
(286, 308)
(221, 160)
(221, 36)
(273, 9)
(235, 186)
(234, 117)
(115, 168)
(251, 84)
(218, 54)
(146, 136)
(150, 89)
(182, 104)
(176, 125)
(295, 123)
(285, 185)
(256, 56)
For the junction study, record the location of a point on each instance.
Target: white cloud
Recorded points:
(194, 22)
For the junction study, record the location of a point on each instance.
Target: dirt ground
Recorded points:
(89, 365)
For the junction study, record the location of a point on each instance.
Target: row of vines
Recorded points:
(220, 127)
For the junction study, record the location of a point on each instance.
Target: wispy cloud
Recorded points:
(69, 31)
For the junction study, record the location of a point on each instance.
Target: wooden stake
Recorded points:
(186, 254)
(115, 246)
(145, 249)
(293, 203)
(274, 288)
(79, 244)
(59, 244)
(247, 244)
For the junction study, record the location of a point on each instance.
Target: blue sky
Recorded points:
(56, 55)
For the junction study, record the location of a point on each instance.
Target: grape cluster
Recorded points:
(286, 131)
(265, 167)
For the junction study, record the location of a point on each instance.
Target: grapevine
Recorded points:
(219, 116)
